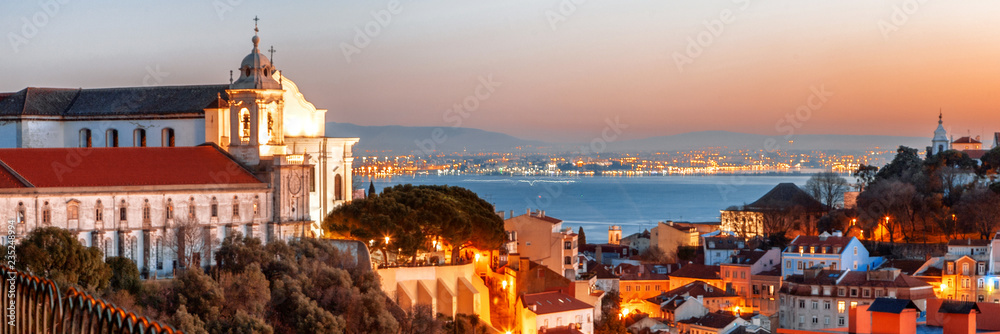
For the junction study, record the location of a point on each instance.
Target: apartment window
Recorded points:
(743, 274)
(628, 288)
(647, 287)
(567, 245)
(800, 264)
(841, 321)
(788, 264)
(981, 298)
(981, 269)
(841, 306)
(802, 319)
(815, 320)
(826, 305)
(980, 284)
(855, 250)
(867, 293)
(840, 292)
(567, 260)
(965, 269)
(815, 305)
(727, 273)
(965, 283)
(951, 268)
(833, 265)
(854, 292)
(756, 290)
(826, 320)
(802, 304)
(878, 293)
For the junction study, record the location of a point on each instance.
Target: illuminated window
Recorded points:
(840, 306)
(170, 209)
(245, 126)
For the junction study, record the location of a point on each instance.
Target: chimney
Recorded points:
(529, 212)
(541, 213)
(502, 214)
(511, 213)
(859, 319)
(600, 258)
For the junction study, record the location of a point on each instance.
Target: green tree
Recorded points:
(187, 322)
(198, 293)
(124, 275)
(990, 164)
(237, 252)
(251, 288)
(906, 165)
(54, 253)
(582, 238)
(239, 323)
(865, 174)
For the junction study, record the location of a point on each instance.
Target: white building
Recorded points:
(550, 311)
(259, 118)
(833, 251)
(940, 143)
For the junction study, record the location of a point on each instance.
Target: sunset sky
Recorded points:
(562, 70)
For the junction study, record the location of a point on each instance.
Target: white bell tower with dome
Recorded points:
(256, 109)
(940, 143)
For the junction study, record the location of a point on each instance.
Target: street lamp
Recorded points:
(387, 240)
(886, 227)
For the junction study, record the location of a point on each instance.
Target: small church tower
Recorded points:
(614, 235)
(255, 109)
(940, 143)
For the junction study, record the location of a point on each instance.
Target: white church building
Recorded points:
(126, 169)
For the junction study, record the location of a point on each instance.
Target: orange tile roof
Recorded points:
(553, 302)
(123, 166)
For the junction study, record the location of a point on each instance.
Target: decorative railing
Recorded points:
(35, 305)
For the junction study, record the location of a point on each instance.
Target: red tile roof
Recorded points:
(817, 241)
(553, 302)
(8, 179)
(699, 271)
(966, 140)
(123, 166)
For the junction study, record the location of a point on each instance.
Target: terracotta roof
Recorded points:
(966, 140)
(800, 285)
(693, 289)
(157, 100)
(975, 154)
(8, 179)
(644, 271)
(906, 266)
(969, 242)
(561, 330)
(718, 319)
(125, 166)
(747, 257)
(785, 196)
(599, 270)
(553, 302)
(699, 271)
(816, 241)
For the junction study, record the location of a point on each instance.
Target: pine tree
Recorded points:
(583, 237)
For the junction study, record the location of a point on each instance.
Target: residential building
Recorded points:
(964, 273)
(720, 322)
(637, 242)
(718, 249)
(737, 273)
(820, 298)
(546, 312)
(668, 236)
(670, 305)
(543, 240)
(639, 282)
(833, 251)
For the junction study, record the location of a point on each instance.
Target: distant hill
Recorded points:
(401, 140)
(703, 139)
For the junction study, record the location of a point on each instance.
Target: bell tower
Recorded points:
(256, 109)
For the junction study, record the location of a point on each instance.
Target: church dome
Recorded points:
(256, 71)
(940, 134)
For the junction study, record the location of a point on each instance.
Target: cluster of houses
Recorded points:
(729, 283)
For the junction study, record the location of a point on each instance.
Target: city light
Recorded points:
(387, 240)
(504, 284)
(624, 312)
(477, 257)
(944, 286)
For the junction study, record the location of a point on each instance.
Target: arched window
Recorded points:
(146, 214)
(256, 206)
(98, 211)
(236, 206)
(191, 209)
(20, 212)
(139, 138)
(111, 138)
(170, 209)
(46, 214)
(168, 137)
(122, 212)
(85, 138)
(245, 126)
(73, 210)
(214, 208)
(338, 188)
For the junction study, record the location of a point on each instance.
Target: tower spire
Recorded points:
(939, 115)
(255, 19)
